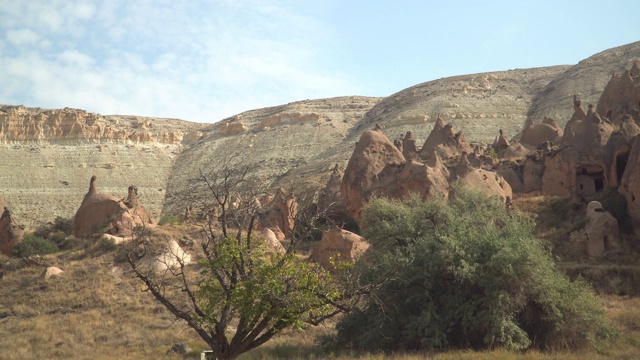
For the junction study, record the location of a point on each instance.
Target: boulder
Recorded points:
(51, 271)
(169, 258)
(109, 214)
(601, 233)
(273, 244)
(339, 245)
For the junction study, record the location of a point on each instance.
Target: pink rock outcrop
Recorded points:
(373, 152)
(535, 134)
(482, 180)
(330, 199)
(11, 233)
(18, 123)
(109, 214)
(445, 141)
(338, 245)
(51, 271)
(281, 212)
(621, 96)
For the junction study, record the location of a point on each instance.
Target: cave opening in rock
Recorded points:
(621, 165)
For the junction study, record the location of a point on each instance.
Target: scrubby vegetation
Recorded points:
(466, 274)
(455, 281)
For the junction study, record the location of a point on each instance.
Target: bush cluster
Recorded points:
(33, 245)
(468, 274)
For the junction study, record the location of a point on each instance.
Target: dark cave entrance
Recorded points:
(589, 179)
(621, 165)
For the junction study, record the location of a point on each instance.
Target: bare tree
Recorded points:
(242, 293)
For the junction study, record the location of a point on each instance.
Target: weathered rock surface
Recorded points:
(487, 182)
(330, 202)
(51, 271)
(47, 154)
(280, 215)
(373, 153)
(18, 123)
(534, 134)
(588, 78)
(170, 257)
(100, 212)
(601, 234)
(630, 185)
(10, 232)
(338, 245)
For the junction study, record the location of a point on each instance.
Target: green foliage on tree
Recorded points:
(242, 293)
(265, 291)
(466, 274)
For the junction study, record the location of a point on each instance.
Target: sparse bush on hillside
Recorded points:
(170, 220)
(34, 245)
(466, 274)
(59, 232)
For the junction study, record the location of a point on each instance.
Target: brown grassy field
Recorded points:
(97, 310)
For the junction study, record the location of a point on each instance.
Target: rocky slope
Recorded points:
(48, 156)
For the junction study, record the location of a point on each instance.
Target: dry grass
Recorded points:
(97, 310)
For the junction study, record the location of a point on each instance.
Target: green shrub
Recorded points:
(170, 220)
(34, 245)
(465, 274)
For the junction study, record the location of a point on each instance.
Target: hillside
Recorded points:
(48, 156)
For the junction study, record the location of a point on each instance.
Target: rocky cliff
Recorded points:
(47, 156)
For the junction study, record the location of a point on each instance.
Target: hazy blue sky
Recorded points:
(207, 60)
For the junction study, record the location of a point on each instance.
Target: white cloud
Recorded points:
(200, 61)
(22, 36)
(76, 59)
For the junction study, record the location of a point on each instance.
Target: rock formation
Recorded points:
(621, 96)
(580, 166)
(373, 152)
(18, 123)
(398, 181)
(273, 244)
(105, 213)
(10, 233)
(482, 180)
(51, 271)
(330, 200)
(281, 212)
(600, 234)
(630, 185)
(338, 245)
(534, 134)
(170, 257)
(445, 141)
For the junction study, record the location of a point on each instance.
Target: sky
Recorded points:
(204, 61)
